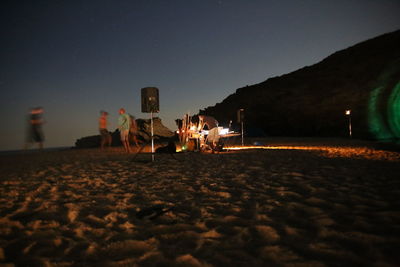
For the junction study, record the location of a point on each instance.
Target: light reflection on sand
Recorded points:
(363, 152)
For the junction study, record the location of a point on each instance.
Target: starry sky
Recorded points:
(75, 58)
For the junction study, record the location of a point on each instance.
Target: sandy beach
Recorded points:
(296, 203)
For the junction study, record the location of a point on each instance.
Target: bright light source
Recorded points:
(224, 131)
(348, 113)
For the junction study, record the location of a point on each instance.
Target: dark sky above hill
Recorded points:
(76, 58)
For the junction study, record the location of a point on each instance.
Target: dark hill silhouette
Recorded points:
(312, 101)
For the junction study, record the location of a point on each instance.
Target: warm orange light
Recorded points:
(348, 112)
(268, 147)
(327, 151)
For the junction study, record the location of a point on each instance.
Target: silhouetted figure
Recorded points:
(169, 148)
(104, 133)
(133, 130)
(35, 132)
(124, 122)
(181, 130)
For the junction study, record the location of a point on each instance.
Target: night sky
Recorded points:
(76, 58)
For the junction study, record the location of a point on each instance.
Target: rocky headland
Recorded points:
(312, 101)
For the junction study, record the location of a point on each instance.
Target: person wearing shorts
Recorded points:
(124, 125)
(35, 132)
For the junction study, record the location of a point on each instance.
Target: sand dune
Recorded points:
(301, 205)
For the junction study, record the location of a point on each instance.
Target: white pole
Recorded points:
(152, 138)
(242, 134)
(350, 124)
(348, 113)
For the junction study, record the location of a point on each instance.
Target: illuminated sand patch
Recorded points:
(356, 152)
(269, 207)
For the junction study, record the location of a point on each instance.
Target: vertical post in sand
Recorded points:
(152, 138)
(240, 119)
(242, 135)
(348, 113)
(150, 104)
(350, 133)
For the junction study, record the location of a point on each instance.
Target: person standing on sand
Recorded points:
(35, 132)
(124, 123)
(105, 135)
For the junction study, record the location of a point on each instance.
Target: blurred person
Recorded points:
(124, 122)
(106, 138)
(35, 132)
